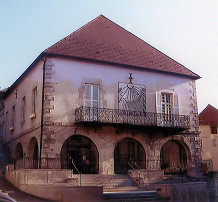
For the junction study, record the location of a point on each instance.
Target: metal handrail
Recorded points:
(80, 174)
(139, 175)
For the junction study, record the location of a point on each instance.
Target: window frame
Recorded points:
(213, 129)
(91, 100)
(166, 105)
(6, 122)
(34, 100)
(23, 109)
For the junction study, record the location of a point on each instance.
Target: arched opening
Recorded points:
(18, 156)
(33, 148)
(32, 158)
(128, 150)
(79, 152)
(18, 152)
(173, 158)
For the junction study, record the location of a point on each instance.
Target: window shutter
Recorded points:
(176, 103)
(158, 102)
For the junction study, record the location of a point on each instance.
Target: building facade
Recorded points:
(208, 120)
(102, 99)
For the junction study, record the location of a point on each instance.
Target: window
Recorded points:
(91, 95)
(213, 129)
(12, 119)
(6, 123)
(166, 105)
(34, 100)
(23, 109)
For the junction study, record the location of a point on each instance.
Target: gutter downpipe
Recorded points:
(42, 112)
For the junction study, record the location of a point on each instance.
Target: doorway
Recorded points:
(173, 158)
(79, 153)
(128, 151)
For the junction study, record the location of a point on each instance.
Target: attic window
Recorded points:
(213, 129)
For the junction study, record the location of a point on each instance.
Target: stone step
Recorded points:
(110, 183)
(120, 189)
(134, 196)
(115, 182)
(95, 176)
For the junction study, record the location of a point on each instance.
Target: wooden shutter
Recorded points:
(158, 102)
(176, 103)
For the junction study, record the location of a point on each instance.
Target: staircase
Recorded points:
(139, 196)
(118, 188)
(110, 183)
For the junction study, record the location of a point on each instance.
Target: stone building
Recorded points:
(208, 120)
(105, 99)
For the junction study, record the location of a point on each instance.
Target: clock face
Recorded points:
(132, 97)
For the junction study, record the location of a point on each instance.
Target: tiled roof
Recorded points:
(209, 116)
(103, 40)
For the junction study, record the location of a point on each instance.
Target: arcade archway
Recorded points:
(81, 153)
(128, 150)
(173, 158)
(33, 148)
(18, 152)
(33, 153)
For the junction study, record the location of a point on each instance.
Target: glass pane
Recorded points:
(95, 92)
(87, 103)
(95, 104)
(163, 98)
(88, 91)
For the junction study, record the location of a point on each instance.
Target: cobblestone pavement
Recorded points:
(17, 195)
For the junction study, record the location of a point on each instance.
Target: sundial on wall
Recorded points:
(131, 96)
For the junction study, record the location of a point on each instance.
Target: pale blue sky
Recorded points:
(186, 30)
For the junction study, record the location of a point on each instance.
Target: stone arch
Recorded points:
(33, 149)
(184, 141)
(128, 150)
(142, 140)
(33, 153)
(80, 152)
(174, 156)
(18, 154)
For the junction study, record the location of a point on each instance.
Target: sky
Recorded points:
(185, 30)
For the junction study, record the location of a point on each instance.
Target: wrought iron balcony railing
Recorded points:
(119, 116)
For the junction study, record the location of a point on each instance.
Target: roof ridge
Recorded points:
(166, 63)
(207, 107)
(73, 33)
(149, 45)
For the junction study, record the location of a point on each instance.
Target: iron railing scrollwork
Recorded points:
(120, 116)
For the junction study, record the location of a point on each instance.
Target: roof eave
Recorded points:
(11, 88)
(119, 64)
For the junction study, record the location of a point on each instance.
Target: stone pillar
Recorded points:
(194, 120)
(195, 167)
(48, 139)
(106, 159)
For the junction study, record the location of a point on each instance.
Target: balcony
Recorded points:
(126, 117)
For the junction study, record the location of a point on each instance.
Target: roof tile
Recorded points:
(103, 40)
(209, 116)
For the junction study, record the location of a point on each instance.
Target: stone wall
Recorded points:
(182, 192)
(106, 138)
(49, 184)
